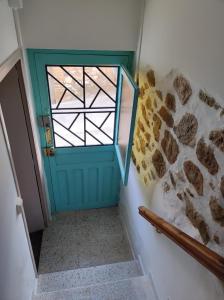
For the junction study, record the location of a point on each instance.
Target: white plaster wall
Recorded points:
(8, 38)
(28, 86)
(187, 35)
(176, 275)
(17, 278)
(80, 24)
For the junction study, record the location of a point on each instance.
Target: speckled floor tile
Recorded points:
(139, 288)
(88, 276)
(83, 239)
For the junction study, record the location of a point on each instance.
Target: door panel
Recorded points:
(12, 106)
(91, 182)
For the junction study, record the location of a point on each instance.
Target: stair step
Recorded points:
(136, 288)
(87, 276)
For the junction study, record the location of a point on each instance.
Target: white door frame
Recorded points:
(19, 205)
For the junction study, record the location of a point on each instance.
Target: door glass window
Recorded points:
(83, 102)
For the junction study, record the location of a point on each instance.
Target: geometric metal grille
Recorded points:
(83, 104)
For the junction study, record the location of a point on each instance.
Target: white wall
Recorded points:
(80, 24)
(8, 39)
(9, 42)
(187, 35)
(176, 275)
(17, 278)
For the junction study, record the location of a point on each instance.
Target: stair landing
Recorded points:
(83, 239)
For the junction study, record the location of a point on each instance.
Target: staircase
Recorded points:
(117, 281)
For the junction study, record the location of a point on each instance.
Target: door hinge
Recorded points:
(49, 151)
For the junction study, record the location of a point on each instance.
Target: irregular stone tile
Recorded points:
(185, 196)
(212, 186)
(170, 147)
(166, 187)
(222, 186)
(146, 85)
(142, 92)
(180, 176)
(144, 114)
(186, 129)
(144, 165)
(170, 102)
(205, 155)
(217, 106)
(172, 179)
(141, 126)
(145, 180)
(138, 168)
(179, 196)
(156, 127)
(159, 94)
(151, 78)
(197, 221)
(143, 145)
(189, 193)
(194, 176)
(155, 103)
(153, 175)
(217, 138)
(210, 101)
(148, 104)
(147, 137)
(133, 158)
(222, 113)
(137, 132)
(217, 210)
(183, 89)
(159, 163)
(216, 239)
(137, 146)
(166, 116)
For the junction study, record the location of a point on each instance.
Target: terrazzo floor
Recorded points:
(83, 239)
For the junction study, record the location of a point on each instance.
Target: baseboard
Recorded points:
(35, 287)
(122, 218)
(141, 265)
(134, 253)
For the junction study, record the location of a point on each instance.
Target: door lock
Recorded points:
(48, 136)
(49, 151)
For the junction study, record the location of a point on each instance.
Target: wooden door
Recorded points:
(16, 125)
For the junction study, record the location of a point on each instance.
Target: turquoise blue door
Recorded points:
(77, 97)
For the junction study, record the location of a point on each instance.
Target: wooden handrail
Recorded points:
(208, 258)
